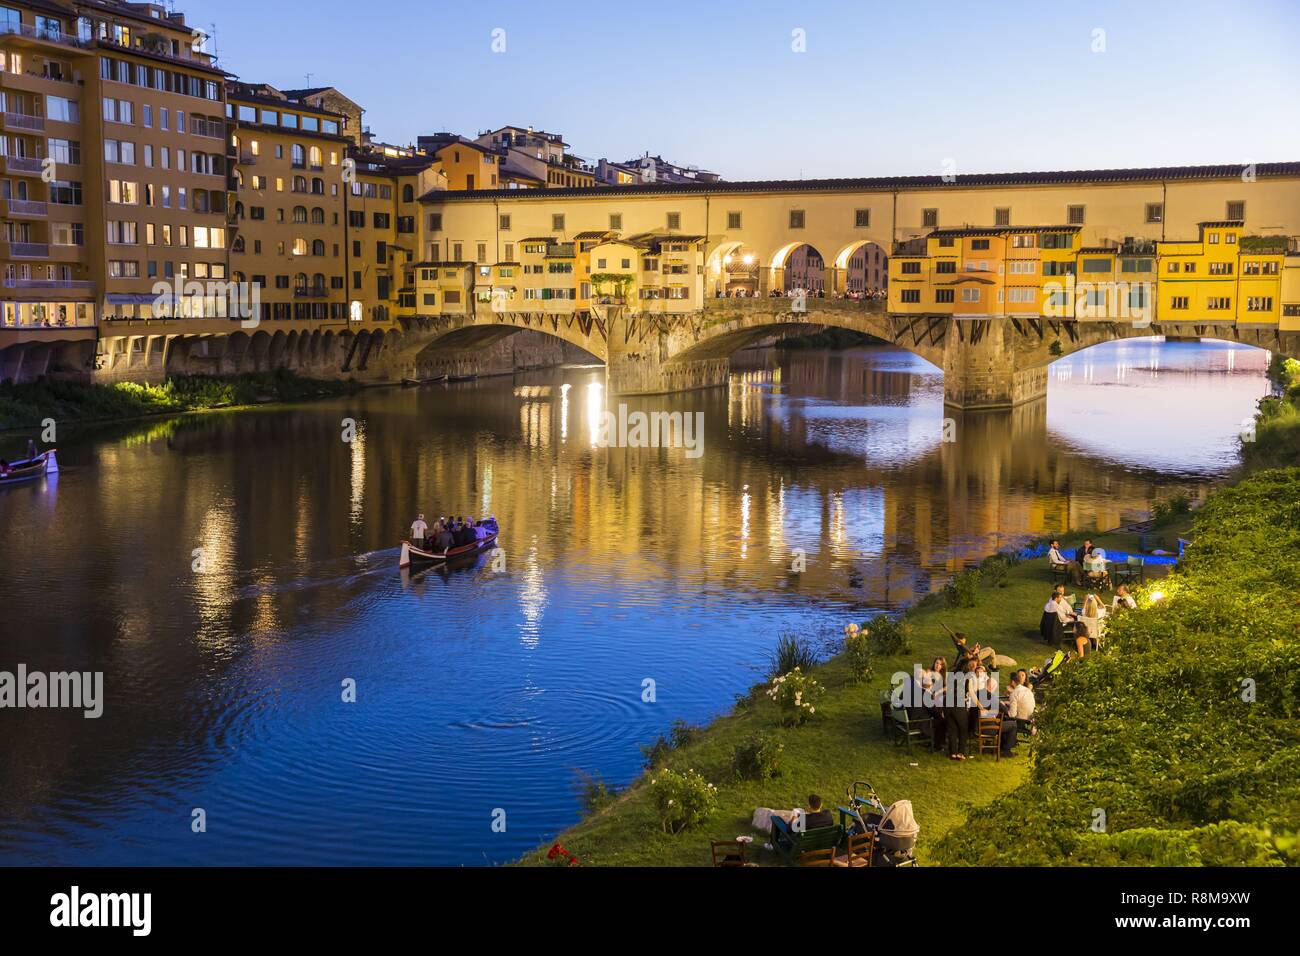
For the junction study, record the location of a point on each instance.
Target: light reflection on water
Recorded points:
(479, 690)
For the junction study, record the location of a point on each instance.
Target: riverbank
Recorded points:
(1276, 439)
(844, 741)
(27, 406)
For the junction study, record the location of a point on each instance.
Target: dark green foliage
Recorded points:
(858, 656)
(25, 406)
(791, 651)
(681, 735)
(757, 757)
(962, 589)
(890, 636)
(1184, 732)
(1171, 508)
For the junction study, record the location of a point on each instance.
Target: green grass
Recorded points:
(26, 406)
(843, 743)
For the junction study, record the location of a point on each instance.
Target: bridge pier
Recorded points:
(984, 368)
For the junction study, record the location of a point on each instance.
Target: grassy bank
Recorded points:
(26, 406)
(1179, 745)
(842, 742)
(1276, 442)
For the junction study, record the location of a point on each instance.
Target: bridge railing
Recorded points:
(812, 306)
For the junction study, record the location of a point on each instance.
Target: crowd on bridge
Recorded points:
(740, 292)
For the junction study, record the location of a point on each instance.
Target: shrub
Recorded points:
(995, 569)
(1175, 506)
(962, 589)
(792, 653)
(796, 694)
(857, 653)
(681, 734)
(683, 799)
(596, 795)
(890, 636)
(757, 757)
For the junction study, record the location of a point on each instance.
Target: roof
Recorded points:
(996, 231)
(1152, 174)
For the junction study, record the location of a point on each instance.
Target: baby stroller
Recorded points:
(894, 826)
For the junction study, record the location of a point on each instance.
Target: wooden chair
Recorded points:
(907, 728)
(1060, 572)
(817, 857)
(886, 725)
(989, 736)
(728, 852)
(858, 852)
(792, 845)
(1134, 569)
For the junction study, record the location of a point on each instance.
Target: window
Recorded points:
(1096, 265)
(504, 223)
(557, 222)
(62, 110)
(1074, 215)
(1236, 209)
(797, 219)
(1189, 267)
(1178, 302)
(970, 295)
(1220, 268)
(1218, 303)
(930, 218)
(942, 295)
(1002, 217)
(1259, 303)
(1136, 265)
(912, 268)
(980, 244)
(946, 266)
(910, 295)
(733, 220)
(861, 218)
(674, 220)
(1155, 212)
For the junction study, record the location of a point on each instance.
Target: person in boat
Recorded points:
(31, 449)
(480, 531)
(4, 467)
(419, 530)
(443, 540)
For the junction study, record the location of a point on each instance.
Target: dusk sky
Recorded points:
(881, 88)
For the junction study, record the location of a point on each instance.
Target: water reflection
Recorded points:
(477, 688)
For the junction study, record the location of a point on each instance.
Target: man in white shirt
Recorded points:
(1020, 709)
(418, 531)
(1056, 559)
(1122, 599)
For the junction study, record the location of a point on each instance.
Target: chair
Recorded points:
(885, 704)
(907, 728)
(1060, 572)
(989, 736)
(858, 852)
(817, 857)
(1134, 569)
(792, 845)
(728, 852)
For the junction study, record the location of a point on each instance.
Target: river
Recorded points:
(485, 694)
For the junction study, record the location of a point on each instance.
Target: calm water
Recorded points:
(480, 690)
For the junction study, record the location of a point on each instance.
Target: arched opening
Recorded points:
(734, 271)
(861, 271)
(799, 267)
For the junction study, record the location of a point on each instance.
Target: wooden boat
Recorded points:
(461, 378)
(413, 555)
(417, 382)
(43, 464)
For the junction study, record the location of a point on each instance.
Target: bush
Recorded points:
(890, 636)
(792, 653)
(681, 735)
(857, 653)
(796, 694)
(995, 569)
(1171, 508)
(962, 589)
(757, 757)
(683, 799)
(596, 795)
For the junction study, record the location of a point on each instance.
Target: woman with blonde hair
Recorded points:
(1091, 628)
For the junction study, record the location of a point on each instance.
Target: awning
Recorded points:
(124, 298)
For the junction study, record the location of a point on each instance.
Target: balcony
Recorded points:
(23, 165)
(311, 293)
(28, 208)
(24, 250)
(24, 121)
(44, 34)
(57, 285)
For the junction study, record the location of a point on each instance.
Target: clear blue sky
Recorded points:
(883, 88)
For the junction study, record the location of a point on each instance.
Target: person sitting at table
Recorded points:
(1095, 566)
(1092, 619)
(1122, 599)
(1058, 614)
(1020, 712)
(1056, 559)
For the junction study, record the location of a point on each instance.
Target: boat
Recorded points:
(413, 555)
(461, 378)
(417, 382)
(43, 464)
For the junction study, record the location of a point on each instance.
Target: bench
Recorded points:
(791, 844)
